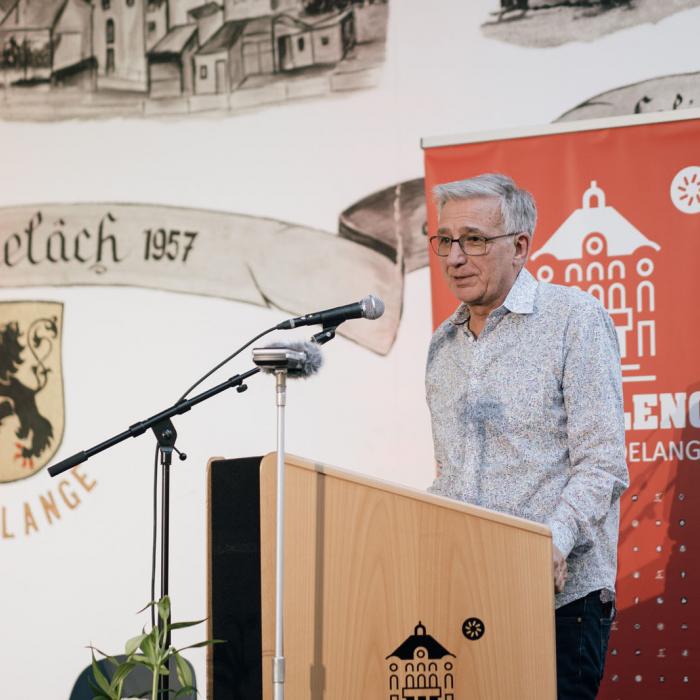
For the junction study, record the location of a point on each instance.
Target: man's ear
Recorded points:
(522, 247)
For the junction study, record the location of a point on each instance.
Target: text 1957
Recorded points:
(171, 245)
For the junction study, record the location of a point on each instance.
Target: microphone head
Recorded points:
(372, 307)
(300, 359)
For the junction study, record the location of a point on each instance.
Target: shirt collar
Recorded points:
(520, 299)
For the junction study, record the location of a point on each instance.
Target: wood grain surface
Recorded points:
(367, 561)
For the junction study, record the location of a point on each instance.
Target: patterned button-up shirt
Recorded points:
(528, 420)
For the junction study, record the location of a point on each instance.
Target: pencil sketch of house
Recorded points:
(269, 45)
(239, 49)
(170, 62)
(156, 57)
(545, 23)
(48, 40)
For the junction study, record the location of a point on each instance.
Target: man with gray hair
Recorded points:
(524, 387)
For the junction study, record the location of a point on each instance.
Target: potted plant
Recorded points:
(150, 650)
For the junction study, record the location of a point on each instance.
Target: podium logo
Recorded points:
(31, 387)
(598, 250)
(421, 668)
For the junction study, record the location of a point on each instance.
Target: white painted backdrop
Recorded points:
(128, 352)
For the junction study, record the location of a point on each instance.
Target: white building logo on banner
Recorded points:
(600, 251)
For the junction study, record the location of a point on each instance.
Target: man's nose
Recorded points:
(456, 256)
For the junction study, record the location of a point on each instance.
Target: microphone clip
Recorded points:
(322, 337)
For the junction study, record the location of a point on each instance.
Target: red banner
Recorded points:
(619, 217)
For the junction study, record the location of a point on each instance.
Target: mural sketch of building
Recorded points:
(239, 49)
(119, 41)
(247, 9)
(140, 51)
(43, 40)
(170, 71)
(547, 23)
(598, 250)
(157, 22)
(421, 668)
(325, 39)
(209, 18)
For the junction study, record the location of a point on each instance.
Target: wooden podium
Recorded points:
(390, 593)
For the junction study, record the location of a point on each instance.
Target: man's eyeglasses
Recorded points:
(469, 243)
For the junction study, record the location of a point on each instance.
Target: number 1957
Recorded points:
(172, 244)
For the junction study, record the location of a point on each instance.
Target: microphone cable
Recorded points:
(155, 464)
(375, 308)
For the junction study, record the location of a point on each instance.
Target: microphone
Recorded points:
(300, 359)
(370, 307)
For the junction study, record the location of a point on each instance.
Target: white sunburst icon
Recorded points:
(685, 190)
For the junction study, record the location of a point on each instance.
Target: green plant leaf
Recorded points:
(164, 608)
(149, 648)
(99, 677)
(203, 644)
(184, 674)
(133, 644)
(182, 625)
(109, 657)
(148, 605)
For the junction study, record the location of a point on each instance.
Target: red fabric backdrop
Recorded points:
(619, 216)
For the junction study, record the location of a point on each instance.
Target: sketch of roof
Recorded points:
(35, 14)
(175, 40)
(225, 37)
(294, 21)
(259, 25)
(205, 10)
(328, 20)
(292, 25)
(621, 236)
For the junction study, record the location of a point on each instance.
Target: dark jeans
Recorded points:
(583, 630)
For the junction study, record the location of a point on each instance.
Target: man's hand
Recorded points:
(560, 570)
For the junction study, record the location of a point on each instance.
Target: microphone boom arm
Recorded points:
(142, 426)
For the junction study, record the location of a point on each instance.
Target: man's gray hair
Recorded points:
(518, 209)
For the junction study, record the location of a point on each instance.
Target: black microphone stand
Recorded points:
(166, 435)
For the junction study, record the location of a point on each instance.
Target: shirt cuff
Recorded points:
(562, 537)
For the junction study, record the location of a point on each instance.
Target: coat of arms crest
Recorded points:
(31, 386)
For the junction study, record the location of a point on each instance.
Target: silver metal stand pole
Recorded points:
(278, 661)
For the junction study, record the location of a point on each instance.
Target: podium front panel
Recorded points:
(391, 593)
